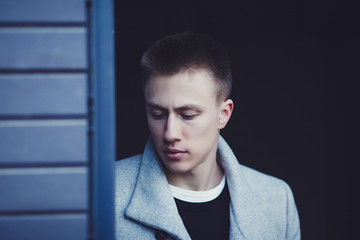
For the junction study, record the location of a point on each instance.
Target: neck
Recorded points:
(197, 180)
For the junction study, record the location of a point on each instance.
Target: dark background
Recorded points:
(295, 92)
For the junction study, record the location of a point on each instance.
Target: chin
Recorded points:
(177, 167)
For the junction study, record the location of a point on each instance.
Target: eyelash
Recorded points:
(158, 116)
(188, 116)
(184, 116)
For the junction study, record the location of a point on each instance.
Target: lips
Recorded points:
(174, 153)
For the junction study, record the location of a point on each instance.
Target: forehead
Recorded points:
(185, 87)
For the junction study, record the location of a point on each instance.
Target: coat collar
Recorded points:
(247, 221)
(152, 203)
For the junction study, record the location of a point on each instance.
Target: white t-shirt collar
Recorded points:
(197, 196)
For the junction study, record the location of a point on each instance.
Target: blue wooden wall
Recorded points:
(44, 153)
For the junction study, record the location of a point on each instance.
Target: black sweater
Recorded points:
(208, 220)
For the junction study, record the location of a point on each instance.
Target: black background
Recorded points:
(295, 92)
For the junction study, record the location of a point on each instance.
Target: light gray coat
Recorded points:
(262, 207)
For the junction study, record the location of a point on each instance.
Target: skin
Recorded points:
(185, 120)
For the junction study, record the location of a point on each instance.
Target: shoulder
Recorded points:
(126, 172)
(258, 181)
(273, 197)
(257, 178)
(269, 195)
(265, 184)
(276, 200)
(127, 165)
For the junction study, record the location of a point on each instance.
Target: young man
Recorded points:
(188, 184)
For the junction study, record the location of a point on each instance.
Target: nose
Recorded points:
(172, 131)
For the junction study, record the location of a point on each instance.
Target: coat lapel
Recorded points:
(247, 221)
(152, 203)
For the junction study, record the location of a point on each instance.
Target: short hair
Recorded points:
(180, 52)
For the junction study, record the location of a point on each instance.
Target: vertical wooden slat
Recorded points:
(103, 141)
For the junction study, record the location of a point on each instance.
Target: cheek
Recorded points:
(155, 127)
(204, 128)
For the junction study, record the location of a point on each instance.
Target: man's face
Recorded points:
(183, 116)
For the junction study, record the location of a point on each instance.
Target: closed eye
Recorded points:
(158, 115)
(189, 116)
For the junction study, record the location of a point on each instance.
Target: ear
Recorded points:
(226, 109)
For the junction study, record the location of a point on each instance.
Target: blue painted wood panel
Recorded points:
(43, 141)
(48, 227)
(43, 189)
(42, 10)
(43, 48)
(42, 94)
